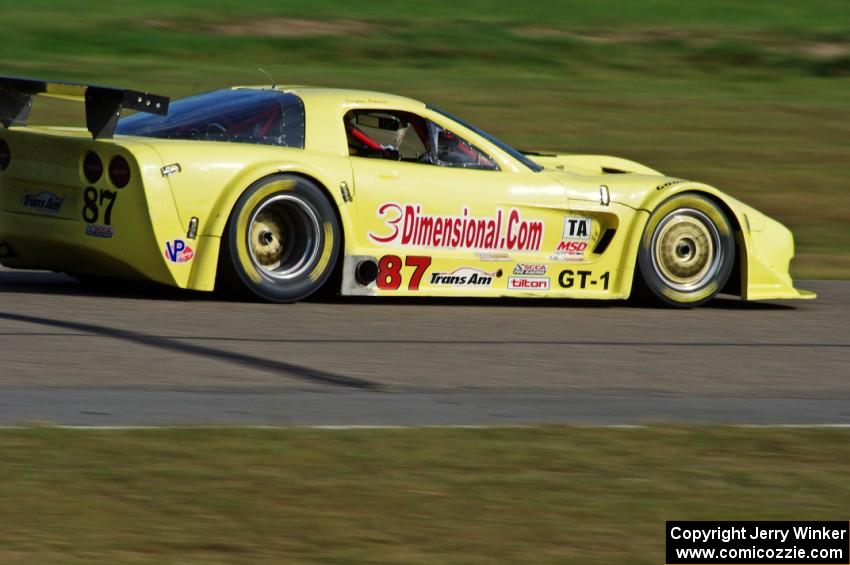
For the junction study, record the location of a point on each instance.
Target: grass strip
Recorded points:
(546, 494)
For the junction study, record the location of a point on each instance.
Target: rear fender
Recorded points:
(196, 196)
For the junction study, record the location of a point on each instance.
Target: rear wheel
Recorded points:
(283, 239)
(687, 251)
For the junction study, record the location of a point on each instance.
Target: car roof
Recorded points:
(320, 95)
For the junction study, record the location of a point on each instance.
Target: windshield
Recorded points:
(266, 117)
(495, 141)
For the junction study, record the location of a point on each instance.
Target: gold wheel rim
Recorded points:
(686, 250)
(267, 239)
(284, 237)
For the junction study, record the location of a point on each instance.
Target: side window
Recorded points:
(454, 151)
(404, 136)
(240, 115)
(398, 136)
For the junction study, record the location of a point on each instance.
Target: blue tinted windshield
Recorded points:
(495, 141)
(267, 117)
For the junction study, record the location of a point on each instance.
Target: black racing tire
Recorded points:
(282, 240)
(686, 253)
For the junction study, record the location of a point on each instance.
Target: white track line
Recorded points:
(424, 427)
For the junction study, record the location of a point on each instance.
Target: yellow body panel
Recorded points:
(434, 230)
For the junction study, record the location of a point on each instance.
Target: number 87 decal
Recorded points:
(389, 271)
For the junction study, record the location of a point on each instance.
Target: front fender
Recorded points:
(765, 268)
(766, 246)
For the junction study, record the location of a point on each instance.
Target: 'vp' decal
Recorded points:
(177, 251)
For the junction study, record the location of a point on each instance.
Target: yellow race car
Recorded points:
(280, 191)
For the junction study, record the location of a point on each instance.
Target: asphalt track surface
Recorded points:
(138, 355)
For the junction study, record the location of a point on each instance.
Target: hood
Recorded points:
(590, 164)
(629, 183)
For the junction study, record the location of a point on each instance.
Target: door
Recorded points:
(440, 216)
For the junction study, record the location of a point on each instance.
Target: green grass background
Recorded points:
(753, 97)
(534, 495)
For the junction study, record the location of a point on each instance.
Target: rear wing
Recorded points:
(103, 103)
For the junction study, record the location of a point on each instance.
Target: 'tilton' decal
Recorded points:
(408, 226)
(528, 283)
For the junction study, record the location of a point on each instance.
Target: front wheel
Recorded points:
(687, 251)
(282, 240)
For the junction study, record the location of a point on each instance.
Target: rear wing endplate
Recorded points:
(103, 104)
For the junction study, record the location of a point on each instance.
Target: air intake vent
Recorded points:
(605, 240)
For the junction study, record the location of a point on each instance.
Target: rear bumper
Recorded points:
(33, 242)
(52, 217)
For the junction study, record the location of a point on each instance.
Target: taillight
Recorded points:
(119, 171)
(92, 167)
(5, 155)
